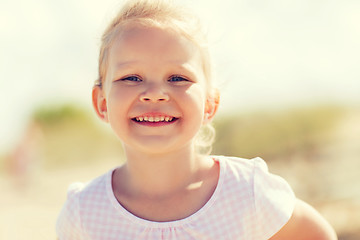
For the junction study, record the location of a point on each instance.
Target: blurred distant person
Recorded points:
(25, 156)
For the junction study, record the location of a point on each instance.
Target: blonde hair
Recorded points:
(160, 13)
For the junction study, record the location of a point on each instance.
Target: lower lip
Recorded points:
(155, 124)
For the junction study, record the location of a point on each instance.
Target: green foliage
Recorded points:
(72, 135)
(275, 134)
(55, 114)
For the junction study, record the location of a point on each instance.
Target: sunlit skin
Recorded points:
(143, 83)
(156, 74)
(154, 98)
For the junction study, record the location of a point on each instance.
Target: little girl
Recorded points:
(156, 92)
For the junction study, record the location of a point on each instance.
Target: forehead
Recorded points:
(135, 42)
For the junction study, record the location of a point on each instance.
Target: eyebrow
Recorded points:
(187, 68)
(176, 65)
(125, 64)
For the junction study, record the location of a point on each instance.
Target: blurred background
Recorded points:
(289, 77)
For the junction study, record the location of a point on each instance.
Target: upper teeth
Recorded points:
(154, 119)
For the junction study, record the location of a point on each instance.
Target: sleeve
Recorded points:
(68, 225)
(274, 201)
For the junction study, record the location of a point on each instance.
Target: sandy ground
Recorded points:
(29, 206)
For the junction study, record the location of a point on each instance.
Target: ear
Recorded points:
(211, 105)
(99, 103)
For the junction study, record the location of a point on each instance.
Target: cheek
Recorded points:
(196, 96)
(118, 101)
(119, 95)
(118, 106)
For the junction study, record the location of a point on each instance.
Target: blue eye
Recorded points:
(131, 79)
(178, 79)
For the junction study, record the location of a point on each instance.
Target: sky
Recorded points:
(267, 54)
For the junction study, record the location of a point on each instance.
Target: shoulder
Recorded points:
(68, 224)
(269, 197)
(236, 176)
(251, 170)
(239, 166)
(79, 196)
(79, 191)
(306, 224)
(242, 163)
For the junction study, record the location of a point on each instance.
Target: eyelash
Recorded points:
(179, 79)
(131, 79)
(174, 79)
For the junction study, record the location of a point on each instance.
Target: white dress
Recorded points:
(248, 203)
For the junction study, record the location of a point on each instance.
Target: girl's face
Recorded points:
(154, 95)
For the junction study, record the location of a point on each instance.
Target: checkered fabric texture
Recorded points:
(248, 203)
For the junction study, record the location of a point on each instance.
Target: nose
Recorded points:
(154, 93)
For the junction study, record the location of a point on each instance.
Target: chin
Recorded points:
(156, 147)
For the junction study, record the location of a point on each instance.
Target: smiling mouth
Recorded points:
(157, 119)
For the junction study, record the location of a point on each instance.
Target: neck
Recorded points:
(161, 174)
